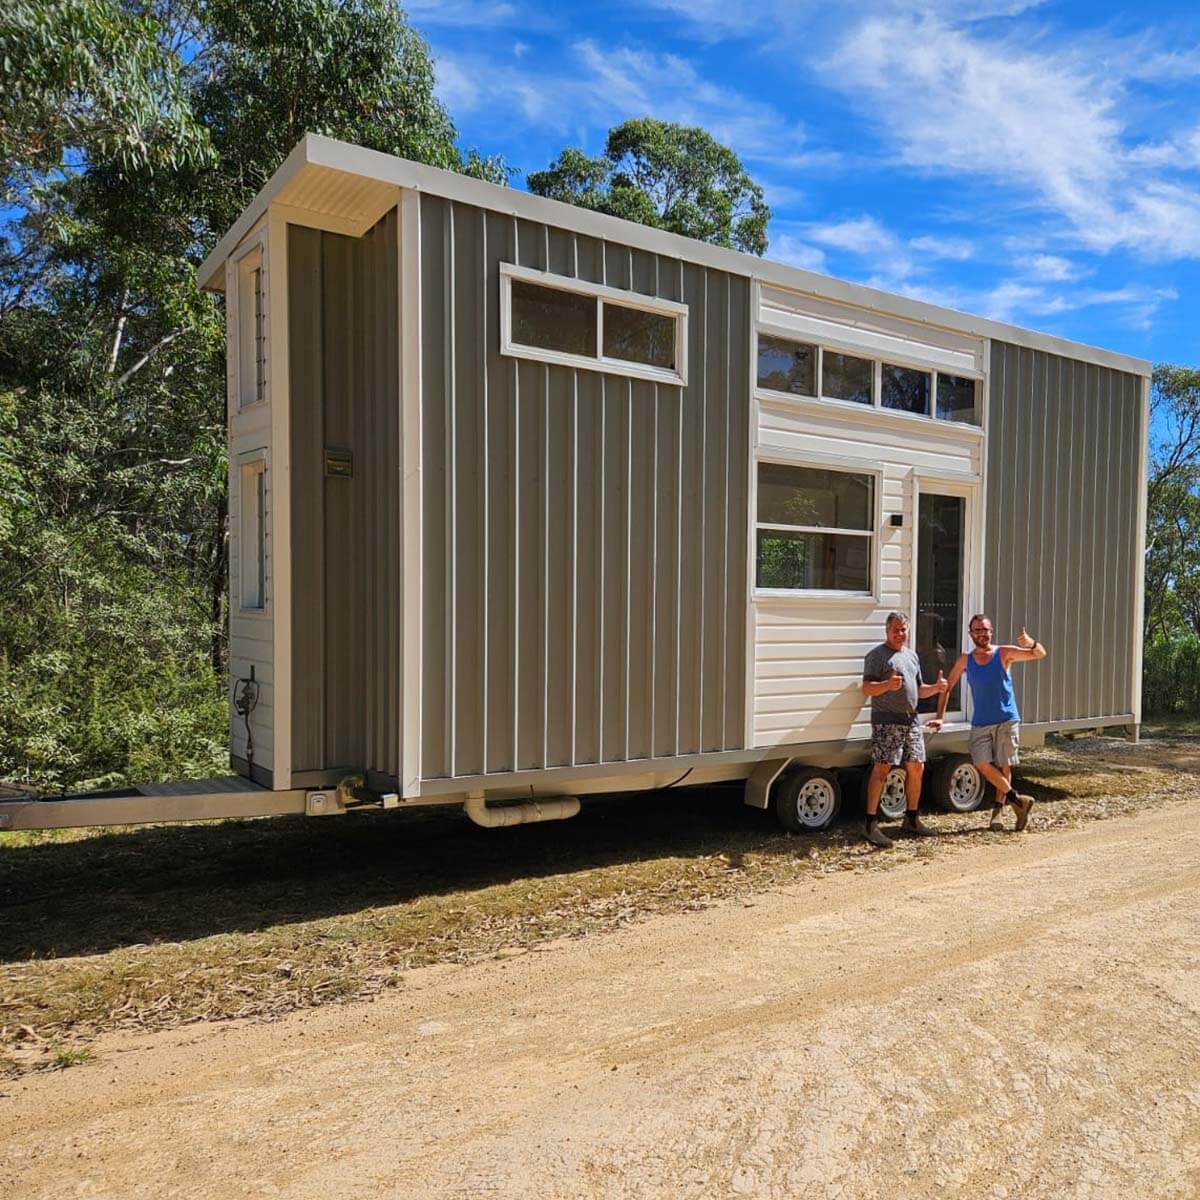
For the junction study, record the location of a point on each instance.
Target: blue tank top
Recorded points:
(992, 692)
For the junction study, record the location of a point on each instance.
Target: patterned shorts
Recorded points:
(897, 744)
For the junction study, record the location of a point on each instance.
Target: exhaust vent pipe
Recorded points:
(557, 809)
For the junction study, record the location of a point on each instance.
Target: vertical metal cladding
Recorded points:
(583, 534)
(1064, 446)
(345, 554)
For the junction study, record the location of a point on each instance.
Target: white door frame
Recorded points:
(969, 489)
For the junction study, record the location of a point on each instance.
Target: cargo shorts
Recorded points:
(897, 744)
(997, 744)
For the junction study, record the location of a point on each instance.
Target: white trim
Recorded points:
(751, 519)
(873, 415)
(325, 222)
(253, 545)
(411, 458)
(279, 395)
(603, 294)
(945, 483)
(319, 151)
(1139, 564)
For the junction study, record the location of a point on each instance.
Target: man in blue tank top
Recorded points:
(995, 721)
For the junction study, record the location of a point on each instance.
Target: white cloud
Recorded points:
(1053, 268)
(795, 252)
(893, 259)
(957, 249)
(1047, 121)
(473, 14)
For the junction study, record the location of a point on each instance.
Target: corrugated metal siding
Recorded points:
(583, 535)
(346, 595)
(1064, 440)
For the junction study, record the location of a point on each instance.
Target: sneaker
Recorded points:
(875, 835)
(1022, 804)
(912, 824)
(995, 824)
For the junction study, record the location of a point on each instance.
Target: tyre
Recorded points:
(958, 786)
(807, 799)
(893, 799)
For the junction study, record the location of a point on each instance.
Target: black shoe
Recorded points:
(875, 835)
(913, 826)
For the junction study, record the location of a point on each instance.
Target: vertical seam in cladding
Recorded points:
(574, 550)
(485, 498)
(678, 544)
(601, 582)
(516, 534)
(322, 582)
(652, 744)
(703, 527)
(1047, 712)
(1109, 607)
(574, 540)
(450, 400)
(1037, 708)
(628, 547)
(546, 558)
(725, 439)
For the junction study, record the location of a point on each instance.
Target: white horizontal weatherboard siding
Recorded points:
(808, 651)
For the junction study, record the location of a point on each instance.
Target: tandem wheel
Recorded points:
(806, 799)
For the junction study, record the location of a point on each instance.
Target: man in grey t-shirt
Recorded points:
(892, 681)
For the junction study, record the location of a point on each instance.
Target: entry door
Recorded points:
(941, 587)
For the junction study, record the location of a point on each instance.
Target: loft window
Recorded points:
(844, 377)
(556, 319)
(252, 330)
(905, 389)
(956, 400)
(252, 531)
(785, 366)
(815, 529)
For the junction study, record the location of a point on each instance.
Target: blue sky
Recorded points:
(1038, 163)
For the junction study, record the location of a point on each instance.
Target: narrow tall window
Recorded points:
(252, 533)
(252, 330)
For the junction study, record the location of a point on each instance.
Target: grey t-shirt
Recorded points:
(899, 707)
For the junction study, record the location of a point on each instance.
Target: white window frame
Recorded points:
(253, 341)
(603, 295)
(875, 408)
(821, 463)
(253, 531)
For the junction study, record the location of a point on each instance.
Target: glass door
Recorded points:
(940, 569)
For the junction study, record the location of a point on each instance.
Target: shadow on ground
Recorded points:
(177, 883)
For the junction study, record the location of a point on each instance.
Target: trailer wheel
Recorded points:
(893, 800)
(806, 800)
(958, 786)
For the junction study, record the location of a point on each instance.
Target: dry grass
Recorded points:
(160, 926)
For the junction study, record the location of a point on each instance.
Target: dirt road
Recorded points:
(1020, 1020)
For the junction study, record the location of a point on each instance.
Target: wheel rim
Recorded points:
(816, 801)
(966, 787)
(893, 799)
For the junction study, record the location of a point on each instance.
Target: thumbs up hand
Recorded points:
(940, 683)
(1024, 640)
(894, 680)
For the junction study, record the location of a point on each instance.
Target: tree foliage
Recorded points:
(673, 177)
(132, 134)
(1172, 621)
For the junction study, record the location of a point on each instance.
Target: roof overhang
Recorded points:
(349, 188)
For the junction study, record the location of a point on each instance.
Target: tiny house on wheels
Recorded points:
(528, 502)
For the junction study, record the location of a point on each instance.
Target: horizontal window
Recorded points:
(815, 529)
(636, 336)
(844, 377)
(829, 562)
(904, 389)
(956, 399)
(787, 366)
(553, 318)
